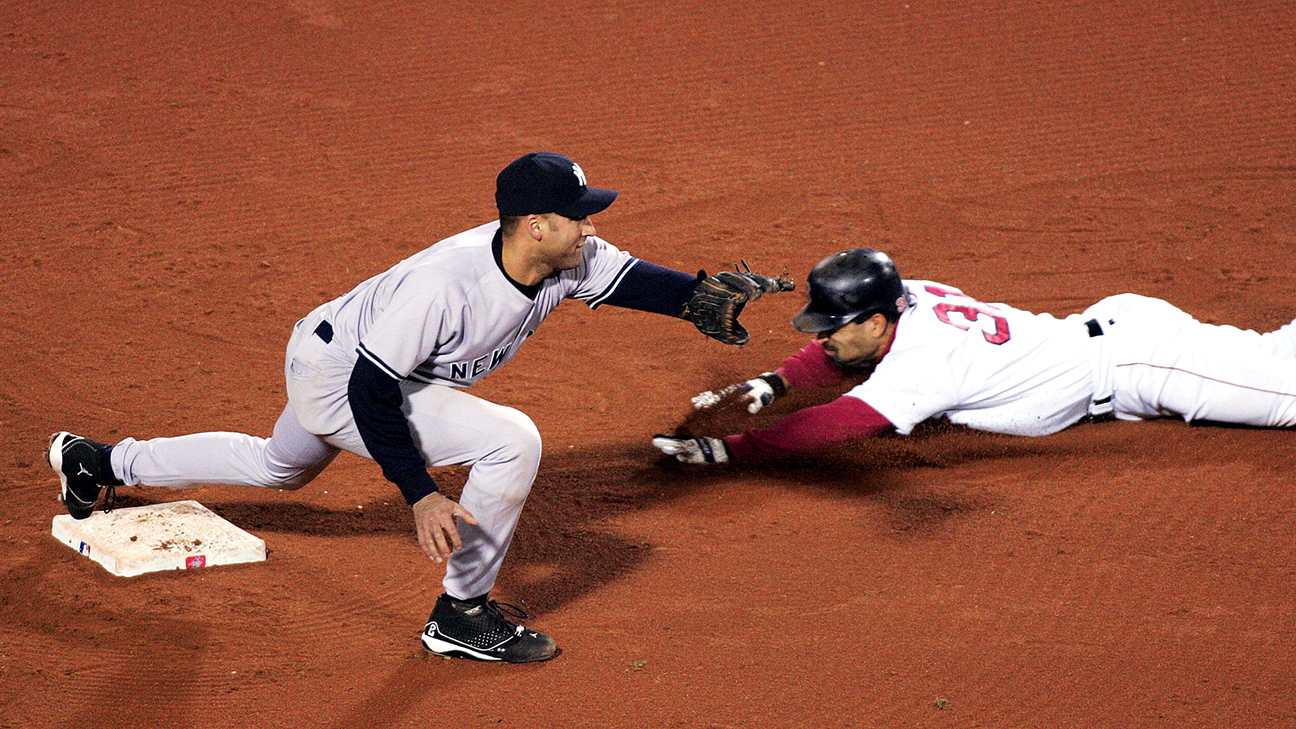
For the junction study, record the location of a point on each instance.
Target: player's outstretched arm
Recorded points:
(804, 432)
(753, 394)
(711, 303)
(807, 369)
(434, 520)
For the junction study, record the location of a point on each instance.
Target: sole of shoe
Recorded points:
(454, 650)
(54, 456)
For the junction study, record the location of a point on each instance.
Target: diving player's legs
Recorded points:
(289, 459)
(1280, 343)
(1168, 364)
(501, 443)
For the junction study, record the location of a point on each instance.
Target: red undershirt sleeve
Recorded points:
(809, 430)
(811, 368)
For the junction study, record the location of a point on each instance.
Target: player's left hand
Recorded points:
(718, 300)
(434, 520)
(693, 450)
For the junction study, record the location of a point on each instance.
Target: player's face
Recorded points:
(562, 240)
(856, 344)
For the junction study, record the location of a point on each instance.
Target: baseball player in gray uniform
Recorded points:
(382, 372)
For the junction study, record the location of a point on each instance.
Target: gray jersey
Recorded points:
(449, 316)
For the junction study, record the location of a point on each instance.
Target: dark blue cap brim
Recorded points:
(813, 322)
(593, 200)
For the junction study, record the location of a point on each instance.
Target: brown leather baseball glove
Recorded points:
(718, 300)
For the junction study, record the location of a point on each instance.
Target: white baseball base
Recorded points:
(173, 536)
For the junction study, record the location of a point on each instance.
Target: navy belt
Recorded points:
(1095, 330)
(324, 331)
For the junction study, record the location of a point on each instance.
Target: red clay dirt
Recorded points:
(182, 181)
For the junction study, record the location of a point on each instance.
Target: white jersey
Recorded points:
(987, 366)
(449, 316)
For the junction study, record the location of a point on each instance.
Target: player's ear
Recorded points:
(877, 325)
(535, 226)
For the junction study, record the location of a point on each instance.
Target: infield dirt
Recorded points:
(180, 182)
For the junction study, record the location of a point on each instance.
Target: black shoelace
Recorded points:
(110, 498)
(513, 611)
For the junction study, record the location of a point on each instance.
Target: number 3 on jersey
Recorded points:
(969, 312)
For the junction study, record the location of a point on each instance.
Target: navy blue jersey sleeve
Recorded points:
(376, 406)
(649, 287)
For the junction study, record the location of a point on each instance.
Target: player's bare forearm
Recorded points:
(434, 522)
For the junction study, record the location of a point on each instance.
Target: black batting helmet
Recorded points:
(848, 285)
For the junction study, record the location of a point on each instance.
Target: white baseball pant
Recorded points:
(1164, 363)
(450, 427)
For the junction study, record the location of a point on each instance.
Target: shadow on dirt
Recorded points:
(563, 552)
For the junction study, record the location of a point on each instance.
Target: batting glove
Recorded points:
(759, 391)
(693, 450)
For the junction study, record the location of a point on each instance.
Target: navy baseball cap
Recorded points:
(545, 182)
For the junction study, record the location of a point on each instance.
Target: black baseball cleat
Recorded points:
(480, 631)
(77, 461)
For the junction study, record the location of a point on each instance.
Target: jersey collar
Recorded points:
(497, 250)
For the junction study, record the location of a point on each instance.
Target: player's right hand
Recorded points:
(692, 450)
(434, 520)
(755, 394)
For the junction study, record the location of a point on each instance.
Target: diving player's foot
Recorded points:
(78, 462)
(477, 629)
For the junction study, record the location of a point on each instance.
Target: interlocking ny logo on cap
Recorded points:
(547, 182)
